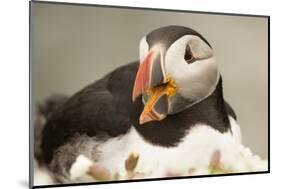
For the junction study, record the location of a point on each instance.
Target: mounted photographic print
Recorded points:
(122, 94)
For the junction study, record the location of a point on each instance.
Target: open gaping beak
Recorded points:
(151, 81)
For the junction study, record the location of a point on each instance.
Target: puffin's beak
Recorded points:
(152, 82)
(156, 108)
(150, 73)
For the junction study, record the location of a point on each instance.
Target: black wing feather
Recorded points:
(230, 110)
(100, 109)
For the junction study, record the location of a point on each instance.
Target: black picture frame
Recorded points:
(31, 132)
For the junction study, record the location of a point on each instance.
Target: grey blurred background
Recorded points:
(72, 46)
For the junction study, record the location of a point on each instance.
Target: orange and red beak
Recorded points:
(150, 73)
(149, 79)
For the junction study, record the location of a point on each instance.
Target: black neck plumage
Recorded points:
(170, 131)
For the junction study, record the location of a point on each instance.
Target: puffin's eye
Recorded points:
(189, 58)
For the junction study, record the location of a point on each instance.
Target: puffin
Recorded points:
(167, 107)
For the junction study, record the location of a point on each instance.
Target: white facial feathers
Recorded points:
(144, 48)
(198, 47)
(194, 81)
